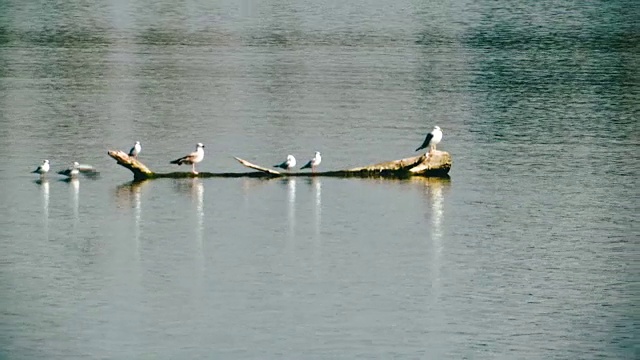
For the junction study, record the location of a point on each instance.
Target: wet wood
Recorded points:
(140, 171)
(434, 164)
(257, 167)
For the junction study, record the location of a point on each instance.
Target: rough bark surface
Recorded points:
(140, 171)
(434, 164)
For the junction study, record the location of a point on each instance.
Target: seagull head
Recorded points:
(317, 153)
(437, 128)
(137, 142)
(290, 158)
(45, 162)
(199, 145)
(75, 164)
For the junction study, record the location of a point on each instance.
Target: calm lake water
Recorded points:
(528, 251)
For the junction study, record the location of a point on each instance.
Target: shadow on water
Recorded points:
(42, 181)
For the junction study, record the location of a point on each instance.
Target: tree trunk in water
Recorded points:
(434, 164)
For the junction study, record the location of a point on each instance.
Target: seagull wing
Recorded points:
(185, 159)
(307, 165)
(426, 141)
(66, 172)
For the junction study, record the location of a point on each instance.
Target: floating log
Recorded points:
(434, 164)
(140, 171)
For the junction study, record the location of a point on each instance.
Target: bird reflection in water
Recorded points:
(44, 187)
(194, 187)
(435, 189)
(290, 183)
(316, 185)
(75, 188)
(129, 195)
(198, 197)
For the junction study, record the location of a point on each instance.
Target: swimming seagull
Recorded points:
(72, 172)
(42, 169)
(432, 139)
(313, 162)
(288, 164)
(192, 159)
(135, 150)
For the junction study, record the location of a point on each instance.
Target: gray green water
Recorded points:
(528, 251)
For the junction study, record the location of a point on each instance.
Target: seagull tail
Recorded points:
(177, 161)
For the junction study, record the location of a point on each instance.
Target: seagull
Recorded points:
(42, 169)
(135, 150)
(432, 139)
(291, 162)
(192, 159)
(71, 172)
(313, 162)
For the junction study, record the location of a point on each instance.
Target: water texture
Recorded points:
(528, 251)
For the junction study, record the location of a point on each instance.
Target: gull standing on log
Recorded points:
(72, 172)
(432, 139)
(313, 162)
(42, 169)
(288, 164)
(135, 150)
(192, 159)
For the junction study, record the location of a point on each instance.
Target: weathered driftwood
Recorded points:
(139, 170)
(435, 164)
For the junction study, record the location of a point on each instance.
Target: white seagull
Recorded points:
(42, 169)
(72, 172)
(135, 150)
(288, 164)
(313, 162)
(432, 139)
(192, 159)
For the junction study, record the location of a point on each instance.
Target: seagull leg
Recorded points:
(193, 169)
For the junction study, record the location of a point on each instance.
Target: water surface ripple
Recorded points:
(526, 252)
